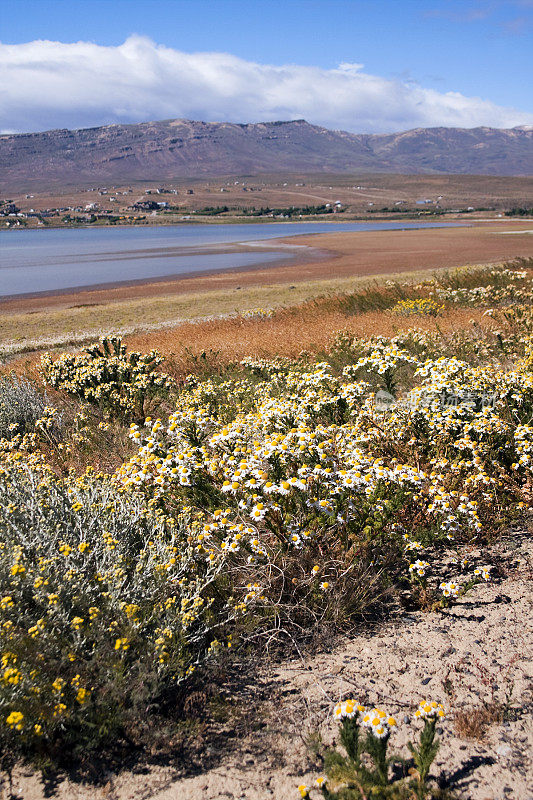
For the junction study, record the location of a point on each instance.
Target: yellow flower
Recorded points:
(14, 720)
(35, 630)
(82, 696)
(12, 676)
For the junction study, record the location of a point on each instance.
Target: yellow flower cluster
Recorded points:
(257, 313)
(420, 306)
(430, 708)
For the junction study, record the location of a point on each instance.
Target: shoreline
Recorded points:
(348, 262)
(299, 254)
(433, 221)
(338, 255)
(312, 254)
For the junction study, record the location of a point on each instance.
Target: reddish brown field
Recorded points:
(308, 328)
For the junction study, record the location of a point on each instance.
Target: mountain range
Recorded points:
(180, 148)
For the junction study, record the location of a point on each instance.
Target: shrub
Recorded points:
(105, 376)
(21, 406)
(298, 478)
(420, 306)
(104, 605)
(499, 285)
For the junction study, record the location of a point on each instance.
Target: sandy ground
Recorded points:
(347, 255)
(446, 656)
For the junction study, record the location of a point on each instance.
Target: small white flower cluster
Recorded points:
(429, 708)
(419, 567)
(379, 722)
(347, 709)
(483, 572)
(450, 589)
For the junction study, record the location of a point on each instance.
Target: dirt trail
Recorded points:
(413, 656)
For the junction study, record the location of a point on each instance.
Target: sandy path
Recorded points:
(395, 665)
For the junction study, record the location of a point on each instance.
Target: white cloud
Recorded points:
(56, 85)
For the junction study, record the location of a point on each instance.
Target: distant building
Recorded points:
(9, 208)
(146, 205)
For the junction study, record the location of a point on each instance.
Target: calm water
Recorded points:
(52, 260)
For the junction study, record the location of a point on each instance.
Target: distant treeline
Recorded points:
(409, 213)
(292, 211)
(212, 211)
(404, 210)
(425, 210)
(519, 212)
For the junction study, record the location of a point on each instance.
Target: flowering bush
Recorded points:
(504, 286)
(104, 603)
(384, 360)
(257, 313)
(22, 407)
(106, 377)
(304, 465)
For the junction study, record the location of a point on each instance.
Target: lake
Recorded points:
(34, 261)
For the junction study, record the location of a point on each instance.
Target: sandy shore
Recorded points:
(344, 255)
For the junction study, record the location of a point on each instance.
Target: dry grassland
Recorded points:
(308, 328)
(355, 191)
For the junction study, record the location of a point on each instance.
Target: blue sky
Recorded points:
(476, 48)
